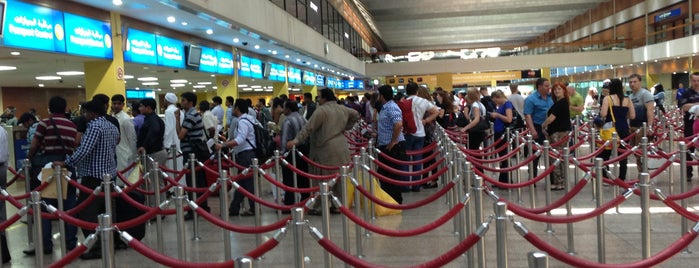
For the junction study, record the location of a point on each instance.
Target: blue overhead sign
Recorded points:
(244, 70)
(277, 72)
(320, 80)
(332, 82)
(88, 37)
(225, 62)
(209, 60)
(294, 75)
(33, 27)
(140, 47)
(255, 68)
(170, 52)
(353, 84)
(309, 78)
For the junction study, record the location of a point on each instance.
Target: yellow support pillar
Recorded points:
(546, 73)
(445, 81)
(280, 88)
(101, 76)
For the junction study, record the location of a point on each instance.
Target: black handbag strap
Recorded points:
(58, 135)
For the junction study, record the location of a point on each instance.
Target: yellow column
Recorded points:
(101, 75)
(546, 73)
(227, 86)
(310, 89)
(445, 80)
(493, 84)
(280, 88)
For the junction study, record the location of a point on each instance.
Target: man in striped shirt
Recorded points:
(190, 130)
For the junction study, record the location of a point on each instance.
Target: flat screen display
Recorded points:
(225, 62)
(132, 94)
(88, 37)
(255, 68)
(193, 55)
(140, 47)
(170, 52)
(244, 70)
(33, 27)
(209, 60)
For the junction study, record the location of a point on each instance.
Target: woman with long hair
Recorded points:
(557, 126)
(447, 110)
(622, 109)
(475, 111)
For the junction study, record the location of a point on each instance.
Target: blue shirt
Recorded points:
(537, 107)
(499, 125)
(389, 116)
(96, 154)
(229, 116)
(244, 133)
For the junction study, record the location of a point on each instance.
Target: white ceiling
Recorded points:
(413, 25)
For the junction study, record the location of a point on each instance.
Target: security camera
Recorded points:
(245, 43)
(60, 81)
(176, 71)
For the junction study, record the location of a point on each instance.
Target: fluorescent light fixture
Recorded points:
(146, 79)
(242, 85)
(315, 65)
(236, 40)
(258, 89)
(117, 2)
(178, 81)
(198, 86)
(209, 31)
(184, 23)
(80, 86)
(214, 87)
(15, 53)
(213, 75)
(256, 86)
(48, 77)
(160, 89)
(41, 85)
(268, 90)
(257, 46)
(203, 83)
(128, 76)
(69, 73)
(171, 19)
(247, 89)
(176, 85)
(286, 56)
(298, 60)
(7, 68)
(150, 83)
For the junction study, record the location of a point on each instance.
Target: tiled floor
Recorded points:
(622, 230)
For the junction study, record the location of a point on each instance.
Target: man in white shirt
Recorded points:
(172, 115)
(209, 120)
(424, 112)
(516, 99)
(126, 149)
(217, 110)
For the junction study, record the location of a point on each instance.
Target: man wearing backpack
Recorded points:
(242, 142)
(424, 112)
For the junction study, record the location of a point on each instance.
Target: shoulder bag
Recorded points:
(609, 127)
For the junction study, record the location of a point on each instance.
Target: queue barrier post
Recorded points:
(459, 220)
(684, 226)
(593, 144)
(601, 235)
(38, 235)
(223, 204)
(325, 211)
(294, 151)
(468, 210)
(569, 206)
(366, 180)
(644, 154)
(531, 167)
(644, 185)
(155, 178)
(58, 177)
(27, 169)
(193, 183)
(371, 179)
(179, 219)
(257, 181)
(357, 205)
(518, 172)
(105, 230)
(278, 198)
(478, 202)
(344, 179)
(501, 233)
(107, 189)
(299, 221)
(243, 262)
(547, 188)
(538, 259)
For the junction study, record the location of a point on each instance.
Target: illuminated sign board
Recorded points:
(139, 94)
(294, 75)
(309, 78)
(277, 72)
(170, 52)
(225, 62)
(352, 84)
(209, 60)
(33, 27)
(255, 68)
(87, 37)
(333, 82)
(140, 47)
(668, 15)
(320, 80)
(244, 70)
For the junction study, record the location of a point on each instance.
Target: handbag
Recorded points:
(483, 123)
(609, 127)
(200, 149)
(460, 120)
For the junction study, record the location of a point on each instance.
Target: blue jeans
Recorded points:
(414, 143)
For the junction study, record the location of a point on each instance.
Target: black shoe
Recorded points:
(92, 254)
(430, 185)
(314, 212)
(416, 189)
(32, 252)
(285, 212)
(120, 245)
(189, 216)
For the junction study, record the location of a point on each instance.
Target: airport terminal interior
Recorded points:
(499, 195)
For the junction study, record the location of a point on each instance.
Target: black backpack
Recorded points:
(264, 145)
(517, 120)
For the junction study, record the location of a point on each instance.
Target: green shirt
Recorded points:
(575, 100)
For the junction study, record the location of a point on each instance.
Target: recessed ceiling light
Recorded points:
(15, 53)
(128, 76)
(315, 65)
(80, 86)
(274, 52)
(258, 89)
(213, 75)
(48, 77)
(236, 40)
(198, 86)
(214, 87)
(194, 90)
(247, 89)
(41, 85)
(203, 83)
(117, 2)
(256, 86)
(184, 23)
(242, 85)
(209, 31)
(171, 19)
(147, 79)
(69, 73)
(176, 85)
(150, 83)
(298, 60)
(160, 89)
(178, 81)
(7, 68)
(257, 46)
(137, 88)
(286, 56)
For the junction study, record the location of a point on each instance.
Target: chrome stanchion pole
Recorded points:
(325, 211)
(38, 236)
(243, 262)
(684, 227)
(468, 180)
(644, 156)
(344, 177)
(508, 143)
(223, 204)
(501, 233)
(593, 143)
(569, 206)
(179, 218)
(601, 235)
(155, 175)
(107, 189)
(193, 184)
(105, 228)
(58, 177)
(299, 224)
(279, 198)
(547, 190)
(258, 210)
(365, 181)
(148, 184)
(518, 172)
(294, 151)
(538, 259)
(478, 198)
(455, 171)
(357, 205)
(370, 179)
(531, 167)
(644, 185)
(27, 168)
(576, 137)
